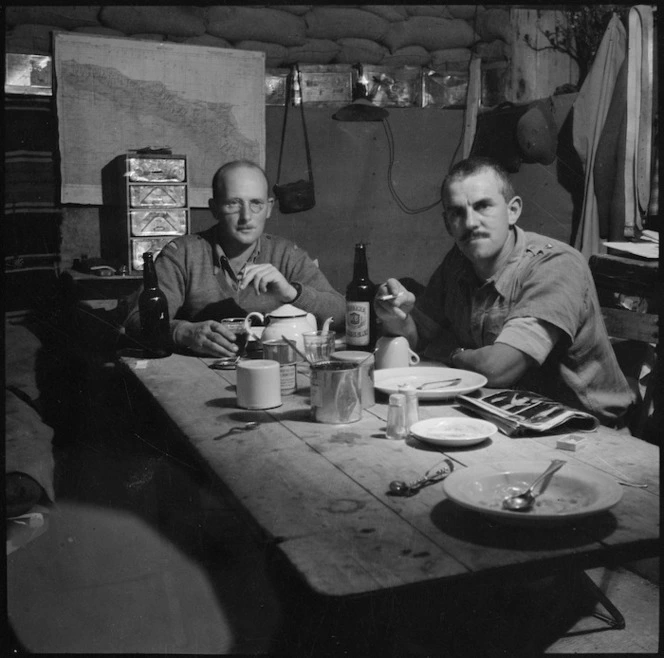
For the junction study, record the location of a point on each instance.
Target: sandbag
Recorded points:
(275, 54)
(100, 29)
(451, 57)
(495, 24)
(344, 23)
(298, 10)
(431, 33)
(408, 56)
(178, 21)
(256, 24)
(392, 13)
(495, 51)
(67, 17)
(32, 39)
(440, 11)
(364, 51)
(314, 51)
(467, 12)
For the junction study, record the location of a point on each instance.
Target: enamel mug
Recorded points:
(394, 352)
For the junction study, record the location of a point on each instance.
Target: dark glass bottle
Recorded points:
(361, 326)
(153, 313)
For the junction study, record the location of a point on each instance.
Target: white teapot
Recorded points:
(287, 320)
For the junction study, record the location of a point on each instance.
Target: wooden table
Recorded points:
(319, 491)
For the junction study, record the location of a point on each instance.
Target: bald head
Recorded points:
(219, 178)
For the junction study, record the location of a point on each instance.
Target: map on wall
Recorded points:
(117, 95)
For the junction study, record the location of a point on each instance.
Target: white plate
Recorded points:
(573, 493)
(388, 380)
(453, 431)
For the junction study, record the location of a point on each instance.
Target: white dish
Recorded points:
(453, 431)
(573, 493)
(389, 380)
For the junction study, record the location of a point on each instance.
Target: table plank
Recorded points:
(321, 491)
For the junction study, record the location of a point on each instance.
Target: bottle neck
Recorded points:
(149, 273)
(360, 267)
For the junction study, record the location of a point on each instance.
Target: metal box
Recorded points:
(146, 205)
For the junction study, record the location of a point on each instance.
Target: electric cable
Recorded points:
(390, 183)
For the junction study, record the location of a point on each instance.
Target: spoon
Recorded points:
(401, 488)
(524, 501)
(252, 424)
(293, 344)
(446, 383)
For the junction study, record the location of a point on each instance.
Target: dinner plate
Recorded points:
(453, 431)
(388, 380)
(573, 493)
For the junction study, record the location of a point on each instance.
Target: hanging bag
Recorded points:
(297, 196)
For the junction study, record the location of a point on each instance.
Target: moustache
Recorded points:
(473, 235)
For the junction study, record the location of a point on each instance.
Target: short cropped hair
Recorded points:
(473, 165)
(218, 178)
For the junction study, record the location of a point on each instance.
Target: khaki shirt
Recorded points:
(543, 279)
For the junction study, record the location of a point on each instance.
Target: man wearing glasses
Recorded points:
(234, 268)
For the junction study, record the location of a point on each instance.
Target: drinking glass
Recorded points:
(237, 326)
(318, 345)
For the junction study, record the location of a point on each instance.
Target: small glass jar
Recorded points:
(412, 405)
(396, 417)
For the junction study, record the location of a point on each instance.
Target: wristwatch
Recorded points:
(298, 289)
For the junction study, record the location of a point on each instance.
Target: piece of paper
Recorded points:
(115, 95)
(646, 249)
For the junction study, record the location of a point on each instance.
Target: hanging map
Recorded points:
(117, 95)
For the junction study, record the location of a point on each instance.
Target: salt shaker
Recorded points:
(396, 417)
(412, 405)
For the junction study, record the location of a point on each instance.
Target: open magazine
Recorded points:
(517, 412)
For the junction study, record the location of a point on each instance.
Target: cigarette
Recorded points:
(386, 298)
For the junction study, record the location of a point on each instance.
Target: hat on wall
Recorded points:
(537, 133)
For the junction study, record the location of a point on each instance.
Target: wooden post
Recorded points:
(537, 70)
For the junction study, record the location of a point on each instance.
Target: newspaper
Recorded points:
(518, 412)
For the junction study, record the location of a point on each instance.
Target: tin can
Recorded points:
(280, 351)
(366, 372)
(335, 392)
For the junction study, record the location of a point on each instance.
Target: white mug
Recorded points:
(393, 352)
(258, 384)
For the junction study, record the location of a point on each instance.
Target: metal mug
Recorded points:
(366, 363)
(335, 392)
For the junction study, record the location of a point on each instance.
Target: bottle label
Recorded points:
(288, 378)
(357, 323)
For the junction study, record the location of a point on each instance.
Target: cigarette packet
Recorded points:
(570, 442)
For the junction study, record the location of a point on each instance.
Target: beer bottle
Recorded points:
(153, 313)
(360, 315)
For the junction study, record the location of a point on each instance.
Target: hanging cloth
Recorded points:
(638, 145)
(590, 111)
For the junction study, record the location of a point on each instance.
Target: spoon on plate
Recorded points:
(524, 501)
(445, 383)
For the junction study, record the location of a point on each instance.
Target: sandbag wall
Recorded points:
(388, 35)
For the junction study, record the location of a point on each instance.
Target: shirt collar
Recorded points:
(500, 280)
(219, 258)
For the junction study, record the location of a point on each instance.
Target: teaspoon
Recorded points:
(524, 501)
(252, 424)
(401, 488)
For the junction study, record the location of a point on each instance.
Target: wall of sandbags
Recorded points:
(350, 160)
(388, 35)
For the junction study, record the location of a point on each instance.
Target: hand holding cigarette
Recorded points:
(393, 301)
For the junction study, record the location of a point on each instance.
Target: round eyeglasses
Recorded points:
(233, 206)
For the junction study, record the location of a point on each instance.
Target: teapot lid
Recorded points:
(287, 311)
